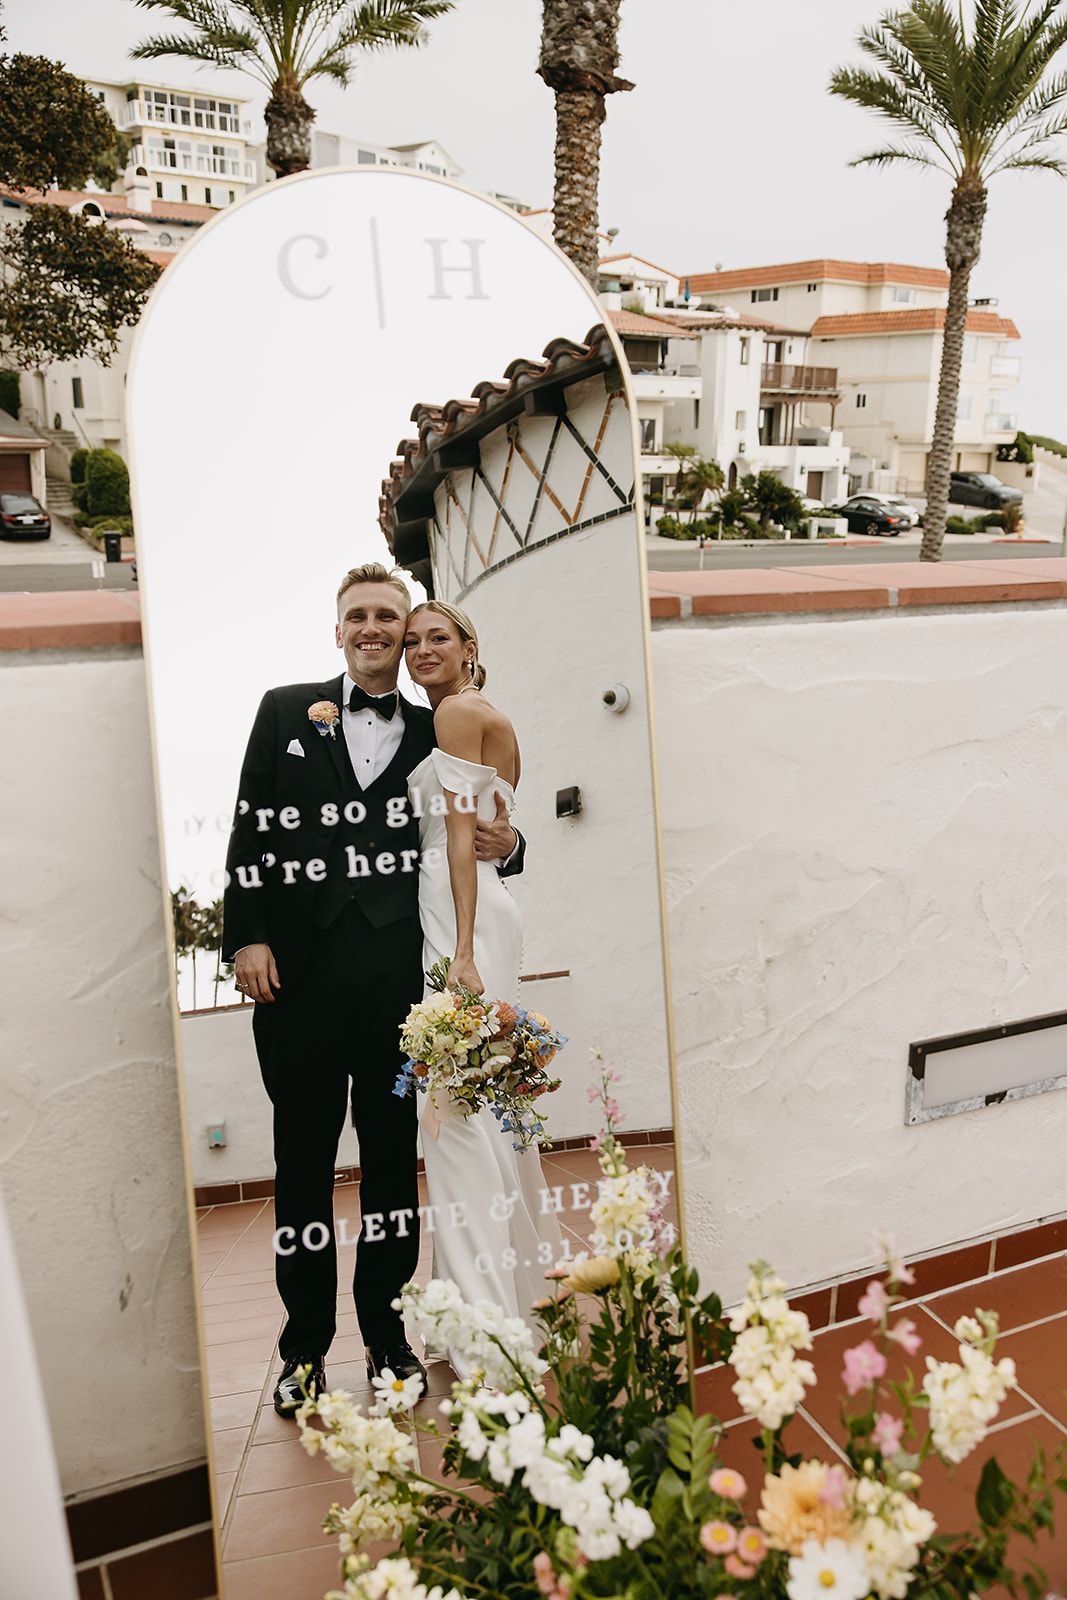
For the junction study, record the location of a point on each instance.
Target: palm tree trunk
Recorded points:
(963, 240)
(579, 114)
(288, 117)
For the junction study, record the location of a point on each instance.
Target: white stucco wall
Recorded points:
(91, 1164)
(864, 838)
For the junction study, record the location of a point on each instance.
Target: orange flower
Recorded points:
(793, 1510)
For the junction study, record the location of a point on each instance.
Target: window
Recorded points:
(696, 413)
(79, 398)
(740, 420)
(763, 294)
(964, 408)
(233, 196)
(970, 350)
(185, 191)
(366, 157)
(861, 401)
(812, 287)
(648, 434)
(207, 197)
(165, 240)
(744, 351)
(159, 191)
(905, 297)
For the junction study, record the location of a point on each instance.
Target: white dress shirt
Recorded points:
(372, 741)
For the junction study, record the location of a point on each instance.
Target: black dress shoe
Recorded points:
(295, 1385)
(398, 1356)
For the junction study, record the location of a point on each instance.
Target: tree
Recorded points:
(71, 287)
(770, 497)
(53, 132)
(970, 105)
(699, 478)
(285, 44)
(579, 54)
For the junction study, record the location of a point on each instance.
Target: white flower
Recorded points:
(395, 1393)
(891, 1536)
(771, 1381)
(504, 1348)
(369, 1518)
(830, 1571)
(965, 1398)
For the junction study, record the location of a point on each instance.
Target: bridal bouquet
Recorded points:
(480, 1053)
(604, 1481)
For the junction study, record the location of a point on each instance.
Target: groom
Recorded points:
(321, 921)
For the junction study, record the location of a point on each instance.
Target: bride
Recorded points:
(490, 1236)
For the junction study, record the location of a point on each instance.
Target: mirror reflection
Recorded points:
(393, 806)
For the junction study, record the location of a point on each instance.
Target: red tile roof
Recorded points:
(816, 272)
(114, 205)
(925, 319)
(658, 327)
(729, 319)
(628, 255)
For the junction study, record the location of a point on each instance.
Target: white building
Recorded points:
(879, 327)
(195, 147)
(338, 150)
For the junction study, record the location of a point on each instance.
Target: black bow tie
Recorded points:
(360, 700)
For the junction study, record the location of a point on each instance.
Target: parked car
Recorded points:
(892, 502)
(23, 517)
(980, 489)
(867, 513)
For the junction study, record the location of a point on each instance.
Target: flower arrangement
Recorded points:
(604, 1482)
(323, 717)
(480, 1052)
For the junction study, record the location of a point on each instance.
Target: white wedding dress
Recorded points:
(493, 1234)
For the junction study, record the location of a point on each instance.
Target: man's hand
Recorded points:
(494, 841)
(255, 973)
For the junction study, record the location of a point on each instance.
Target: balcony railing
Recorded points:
(786, 379)
(998, 422)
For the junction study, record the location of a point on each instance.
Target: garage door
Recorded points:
(15, 472)
(912, 471)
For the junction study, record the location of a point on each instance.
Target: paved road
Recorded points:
(668, 555)
(62, 562)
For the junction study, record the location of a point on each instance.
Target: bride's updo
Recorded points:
(463, 626)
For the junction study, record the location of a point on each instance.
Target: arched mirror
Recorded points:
(378, 366)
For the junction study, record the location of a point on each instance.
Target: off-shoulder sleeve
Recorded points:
(459, 776)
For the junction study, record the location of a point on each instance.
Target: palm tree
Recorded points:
(579, 54)
(286, 43)
(971, 106)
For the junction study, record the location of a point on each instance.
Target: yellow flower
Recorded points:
(593, 1275)
(793, 1509)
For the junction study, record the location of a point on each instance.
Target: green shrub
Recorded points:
(961, 525)
(1020, 449)
(107, 483)
(10, 396)
(77, 494)
(102, 521)
(1052, 445)
(668, 526)
(77, 466)
(992, 519)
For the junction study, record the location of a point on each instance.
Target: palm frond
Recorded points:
(889, 153)
(222, 50)
(1020, 163)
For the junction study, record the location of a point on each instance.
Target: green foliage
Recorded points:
(770, 497)
(77, 465)
(1043, 442)
(1021, 449)
(52, 130)
(72, 287)
(107, 484)
(196, 927)
(105, 522)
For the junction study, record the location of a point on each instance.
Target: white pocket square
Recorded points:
(295, 748)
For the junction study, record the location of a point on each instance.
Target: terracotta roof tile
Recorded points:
(114, 205)
(729, 319)
(632, 322)
(923, 319)
(816, 272)
(628, 255)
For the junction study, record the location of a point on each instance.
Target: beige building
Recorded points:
(195, 147)
(879, 327)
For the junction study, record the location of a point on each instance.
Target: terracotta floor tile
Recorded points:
(235, 1330)
(293, 1575)
(224, 1482)
(282, 1519)
(285, 1465)
(1026, 1294)
(235, 1380)
(932, 1275)
(235, 1410)
(1040, 1356)
(242, 1280)
(270, 1428)
(229, 1445)
(740, 1448)
(714, 1393)
(237, 1353)
(1030, 1243)
(218, 1311)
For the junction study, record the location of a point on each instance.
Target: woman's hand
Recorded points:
(461, 970)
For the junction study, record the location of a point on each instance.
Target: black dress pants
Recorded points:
(331, 1039)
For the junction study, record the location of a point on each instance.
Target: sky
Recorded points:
(729, 149)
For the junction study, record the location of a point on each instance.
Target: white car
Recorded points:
(893, 503)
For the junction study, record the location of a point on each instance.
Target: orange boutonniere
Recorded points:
(323, 716)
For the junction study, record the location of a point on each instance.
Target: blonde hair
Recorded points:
(374, 572)
(463, 626)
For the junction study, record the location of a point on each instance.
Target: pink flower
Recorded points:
(875, 1302)
(738, 1569)
(751, 1545)
(864, 1363)
(594, 1143)
(728, 1483)
(592, 1093)
(718, 1538)
(887, 1433)
(832, 1492)
(905, 1335)
(545, 1573)
(558, 1272)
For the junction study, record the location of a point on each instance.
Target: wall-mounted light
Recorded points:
(616, 697)
(569, 802)
(216, 1136)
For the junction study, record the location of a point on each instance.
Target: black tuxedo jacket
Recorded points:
(302, 823)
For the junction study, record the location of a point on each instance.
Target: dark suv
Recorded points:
(981, 489)
(23, 516)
